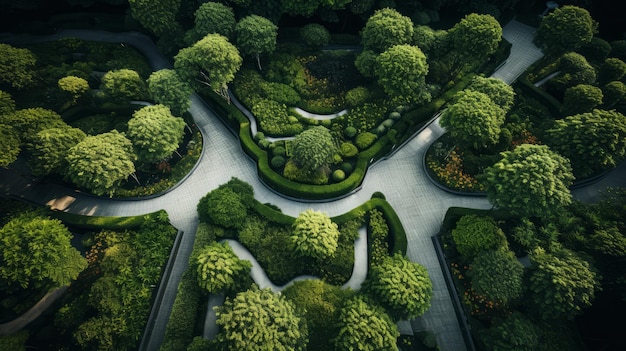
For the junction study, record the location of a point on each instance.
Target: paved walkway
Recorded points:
(419, 204)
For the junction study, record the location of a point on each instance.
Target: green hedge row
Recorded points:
(553, 105)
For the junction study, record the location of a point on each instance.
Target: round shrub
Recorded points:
(365, 140)
(339, 175)
(347, 167)
(315, 35)
(264, 143)
(277, 162)
(348, 149)
(357, 96)
(388, 123)
(279, 151)
(474, 234)
(349, 132)
(378, 195)
(380, 129)
(395, 115)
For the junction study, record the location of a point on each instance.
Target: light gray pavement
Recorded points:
(419, 204)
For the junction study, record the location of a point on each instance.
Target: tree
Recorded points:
(365, 327)
(513, 333)
(17, 66)
(474, 234)
(212, 61)
(315, 35)
(155, 133)
(10, 146)
(593, 141)
(258, 320)
(575, 69)
(313, 148)
(565, 29)
(474, 38)
(30, 121)
(473, 120)
(123, 85)
(321, 303)
(212, 17)
(612, 69)
(219, 268)
(74, 87)
(613, 93)
(402, 287)
(158, 16)
(227, 205)
(101, 163)
(561, 284)
(497, 275)
(314, 235)
(581, 98)
(256, 35)
(7, 104)
(50, 148)
(386, 28)
(531, 180)
(166, 88)
(365, 62)
(401, 71)
(498, 91)
(35, 251)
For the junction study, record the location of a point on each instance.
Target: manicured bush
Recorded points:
(395, 115)
(365, 140)
(388, 123)
(315, 35)
(357, 96)
(339, 175)
(350, 132)
(278, 162)
(347, 167)
(474, 234)
(279, 151)
(348, 150)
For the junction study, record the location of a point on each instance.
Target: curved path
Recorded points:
(419, 204)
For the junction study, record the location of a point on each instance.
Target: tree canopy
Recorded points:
(256, 35)
(531, 180)
(565, 29)
(30, 121)
(123, 85)
(473, 120)
(155, 133)
(401, 71)
(101, 163)
(212, 17)
(50, 148)
(7, 104)
(158, 16)
(226, 206)
(497, 275)
(402, 287)
(498, 91)
(512, 333)
(219, 268)
(593, 141)
(314, 235)
(386, 28)
(581, 98)
(475, 37)
(474, 234)
(35, 251)
(315, 35)
(11, 145)
(313, 148)
(167, 88)
(17, 66)
(259, 320)
(212, 61)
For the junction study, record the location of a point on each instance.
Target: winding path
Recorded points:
(419, 204)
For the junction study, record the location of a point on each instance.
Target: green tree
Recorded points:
(212, 61)
(365, 63)
(166, 88)
(256, 35)
(101, 163)
(17, 66)
(321, 303)
(473, 120)
(219, 268)
(314, 235)
(474, 234)
(158, 16)
(531, 180)
(513, 333)
(7, 104)
(497, 275)
(35, 251)
(365, 327)
(613, 93)
(155, 133)
(50, 148)
(593, 141)
(612, 69)
(581, 98)
(565, 29)
(30, 121)
(562, 284)
(575, 69)
(73, 87)
(401, 71)
(313, 149)
(227, 205)
(402, 287)
(10, 147)
(123, 85)
(259, 320)
(498, 91)
(386, 28)
(315, 35)
(474, 38)
(212, 17)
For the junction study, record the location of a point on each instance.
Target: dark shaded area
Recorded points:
(599, 327)
(610, 15)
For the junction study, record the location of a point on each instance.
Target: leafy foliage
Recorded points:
(101, 163)
(211, 17)
(155, 133)
(402, 287)
(565, 29)
(314, 235)
(123, 85)
(28, 122)
(497, 275)
(260, 320)
(581, 98)
(16, 66)
(51, 147)
(531, 180)
(498, 91)
(227, 206)
(274, 119)
(166, 88)
(315, 35)
(386, 28)
(474, 234)
(157, 16)
(219, 268)
(575, 69)
(256, 35)
(512, 333)
(35, 251)
(10, 147)
(401, 71)
(7, 104)
(612, 69)
(74, 87)
(313, 149)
